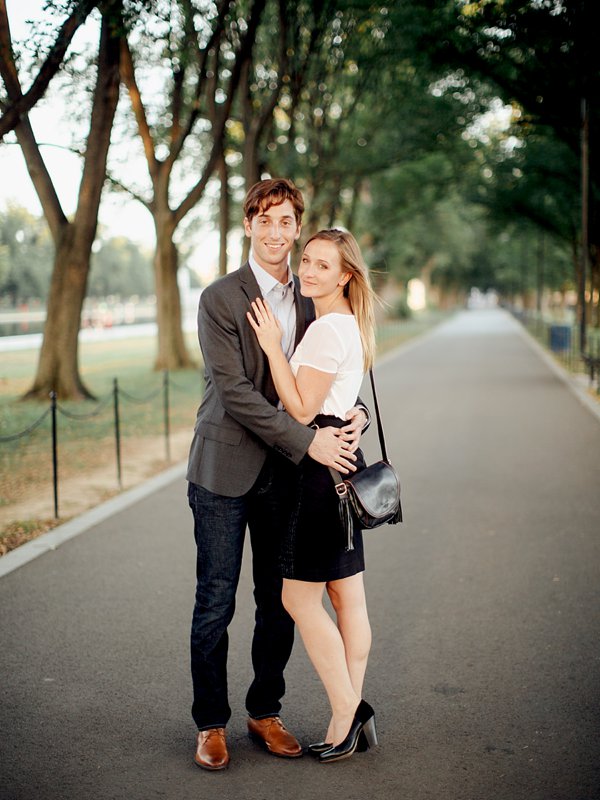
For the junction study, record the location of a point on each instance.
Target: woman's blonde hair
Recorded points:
(358, 290)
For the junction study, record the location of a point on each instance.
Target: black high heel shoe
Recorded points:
(320, 747)
(363, 722)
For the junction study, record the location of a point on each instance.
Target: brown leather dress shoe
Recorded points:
(271, 733)
(211, 749)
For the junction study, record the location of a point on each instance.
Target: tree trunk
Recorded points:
(594, 280)
(58, 368)
(353, 207)
(314, 217)
(223, 214)
(172, 351)
(251, 163)
(332, 209)
(251, 173)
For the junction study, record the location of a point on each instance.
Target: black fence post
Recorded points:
(166, 412)
(54, 452)
(117, 429)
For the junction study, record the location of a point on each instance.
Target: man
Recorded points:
(242, 458)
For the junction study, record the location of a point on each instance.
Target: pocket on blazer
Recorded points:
(217, 433)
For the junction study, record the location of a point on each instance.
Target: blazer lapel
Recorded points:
(251, 289)
(300, 312)
(248, 282)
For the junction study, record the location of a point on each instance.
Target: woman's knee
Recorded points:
(348, 595)
(300, 598)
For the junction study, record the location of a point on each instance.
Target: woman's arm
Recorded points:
(302, 395)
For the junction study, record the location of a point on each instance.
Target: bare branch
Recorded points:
(128, 190)
(40, 176)
(176, 103)
(128, 75)
(223, 113)
(77, 151)
(23, 104)
(203, 55)
(8, 69)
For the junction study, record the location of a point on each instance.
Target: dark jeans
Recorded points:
(219, 529)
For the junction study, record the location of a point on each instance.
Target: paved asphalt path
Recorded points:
(485, 604)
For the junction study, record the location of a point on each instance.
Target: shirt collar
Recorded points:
(265, 281)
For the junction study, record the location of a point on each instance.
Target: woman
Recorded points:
(318, 385)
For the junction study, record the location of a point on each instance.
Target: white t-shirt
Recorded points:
(332, 344)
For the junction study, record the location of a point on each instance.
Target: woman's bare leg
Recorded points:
(325, 647)
(350, 605)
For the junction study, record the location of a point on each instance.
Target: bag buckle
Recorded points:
(341, 489)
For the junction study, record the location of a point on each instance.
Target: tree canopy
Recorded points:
(446, 135)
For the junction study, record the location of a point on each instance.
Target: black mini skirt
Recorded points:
(314, 545)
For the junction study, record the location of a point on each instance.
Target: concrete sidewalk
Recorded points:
(484, 605)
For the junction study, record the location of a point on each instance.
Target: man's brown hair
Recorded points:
(273, 192)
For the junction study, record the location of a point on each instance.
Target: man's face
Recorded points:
(272, 235)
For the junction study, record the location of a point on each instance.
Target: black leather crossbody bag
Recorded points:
(370, 497)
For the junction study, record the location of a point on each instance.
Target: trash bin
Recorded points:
(560, 338)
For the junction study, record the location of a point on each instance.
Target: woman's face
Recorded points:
(320, 270)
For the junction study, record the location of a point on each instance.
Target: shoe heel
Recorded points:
(370, 732)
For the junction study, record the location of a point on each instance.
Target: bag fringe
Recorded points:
(397, 516)
(347, 521)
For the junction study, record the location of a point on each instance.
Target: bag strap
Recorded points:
(378, 417)
(337, 477)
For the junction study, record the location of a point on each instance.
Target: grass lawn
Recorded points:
(86, 430)
(127, 359)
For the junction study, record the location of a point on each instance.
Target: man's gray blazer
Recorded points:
(238, 419)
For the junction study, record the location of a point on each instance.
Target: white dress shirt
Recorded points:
(280, 297)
